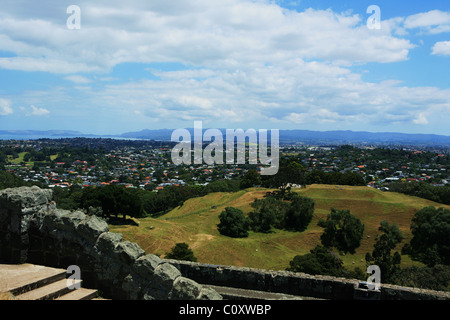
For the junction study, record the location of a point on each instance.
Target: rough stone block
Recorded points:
(92, 228)
(107, 242)
(146, 265)
(184, 289)
(129, 251)
(209, 294)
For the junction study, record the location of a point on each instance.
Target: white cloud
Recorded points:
(35, 111)
(421, 119)
(433, 22)
(5, 107)
(441, 48)
(78, 79)
(292, 94)
(248, 61)
(204, 33)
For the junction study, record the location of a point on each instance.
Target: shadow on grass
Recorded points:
(122, 222)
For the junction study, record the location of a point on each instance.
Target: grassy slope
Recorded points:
(196, 224)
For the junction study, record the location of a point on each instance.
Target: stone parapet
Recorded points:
(32, 230)
(294, 283)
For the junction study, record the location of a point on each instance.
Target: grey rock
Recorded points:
(27, 197)
(129, 251)
(92, 228)
(146, 265)
(167, 272)
(62, 220)
(184, 289)
(131, 286)
(107, 242)
(209, 294)
(161, 283)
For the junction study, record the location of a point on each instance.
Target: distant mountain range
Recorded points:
(286, 136)
(323, 137)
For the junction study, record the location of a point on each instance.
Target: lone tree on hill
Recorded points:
(181, 251)
(381, 255)
(342, 230)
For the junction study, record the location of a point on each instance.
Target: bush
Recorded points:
(320, 260)
(431, 236)
(233, 223)
(272, 211)
(342, 230)
(181, 251)
(382, 252)
(432, 278)
(299, 214)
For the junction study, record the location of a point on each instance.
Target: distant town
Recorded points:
(147, 164)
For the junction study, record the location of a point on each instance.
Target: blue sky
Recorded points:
(309, 64)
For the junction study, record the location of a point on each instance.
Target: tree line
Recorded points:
(430, 245)
(289, 211)
(440, 194)
(118, 200)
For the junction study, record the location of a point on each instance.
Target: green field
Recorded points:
(21, 155)
(196, 224)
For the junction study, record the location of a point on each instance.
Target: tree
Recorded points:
(431, 236)
(267, 212)
(233, 223)
(290, 171)
(432, 278)
(299, 214)
(381, 255)
(250, 179)
(320, 260)
(342, 230)
(289, 211)
(181, 251)
(113, 200)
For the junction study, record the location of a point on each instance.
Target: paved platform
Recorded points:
(34, 282)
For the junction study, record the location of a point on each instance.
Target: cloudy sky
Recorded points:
(305, 64)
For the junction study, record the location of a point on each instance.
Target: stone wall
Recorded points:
(32, 230)
(299, 284)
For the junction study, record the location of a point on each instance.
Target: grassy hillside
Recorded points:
(196, 224)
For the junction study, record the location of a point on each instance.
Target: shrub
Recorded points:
(233, 223)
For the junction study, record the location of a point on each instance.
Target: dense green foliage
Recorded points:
(432, 278)
(440, 194)
(113, 200)
(342, 230)
(431, 236)
(267, 213)
(233, 223)
(292, 172)
(290, 212)
(8, 180)
(271, 211)
(181, 251)
(250, 179)
(153, 203)
(382, 256)
(323, 261)
(320, 260)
